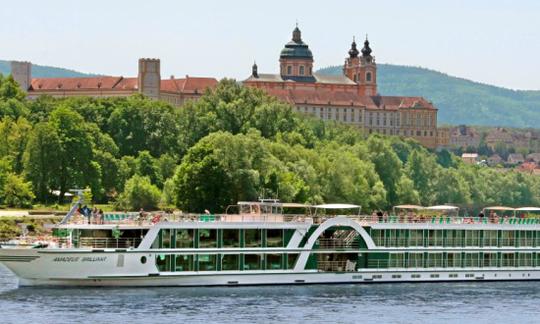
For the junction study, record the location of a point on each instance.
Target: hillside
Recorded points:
(41, 71)
(459, 101)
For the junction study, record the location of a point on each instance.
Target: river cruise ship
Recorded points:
(268, 242)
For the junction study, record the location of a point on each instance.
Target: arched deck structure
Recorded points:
(337, 221)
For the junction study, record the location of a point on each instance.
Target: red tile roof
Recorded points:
(74, 83)
(348, 98)
(187, 85)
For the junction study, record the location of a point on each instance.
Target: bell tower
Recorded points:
(362, 69)
(352, 63)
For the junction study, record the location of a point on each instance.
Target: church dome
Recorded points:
(296, 48)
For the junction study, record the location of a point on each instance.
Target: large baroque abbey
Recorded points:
(350, 98)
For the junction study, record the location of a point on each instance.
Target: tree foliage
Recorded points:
(139, 193)
(235, 143)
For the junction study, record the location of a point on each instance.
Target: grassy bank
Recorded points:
(10, 226)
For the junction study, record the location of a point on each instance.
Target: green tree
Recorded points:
(147, 167)
(139, 193)
(405, 191)
(74, 152)
(17, 192)
(41, 160)
(388, 166)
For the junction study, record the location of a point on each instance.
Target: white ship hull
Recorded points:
(62, 268)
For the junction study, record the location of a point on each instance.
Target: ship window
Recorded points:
(183, 263)
(490, 238)
(508, 260)
(471, 260)
(230, 262)
(416, 260)
(143, 259)
(291, 260)
(526, 238)
(454, 238)
(184, 238)
(435, 260)
(273, 261)
(507, 238)
(231, 238)
(490, 259)
(453, 260)
(416, 238)
(252, 238)
(274, 238)
(252, 262)
(163, 262)
(435, 238)
(207, 238)
(397, 260)
(472, 238)
(166, 238)
(525, 259)
(207, 262)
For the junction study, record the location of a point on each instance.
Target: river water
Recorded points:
(483, 302)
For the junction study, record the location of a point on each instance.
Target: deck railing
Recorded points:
(336, 266)
(331, 244)
(101, 242)
(134, 218)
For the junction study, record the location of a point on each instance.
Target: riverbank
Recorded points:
(12, 226)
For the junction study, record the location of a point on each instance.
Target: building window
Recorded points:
(289, 70)
(355, 78)
(301, 70)
(368, 77)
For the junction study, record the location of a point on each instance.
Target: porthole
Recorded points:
(143, 259)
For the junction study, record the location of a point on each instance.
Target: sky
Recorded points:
(495, 42)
